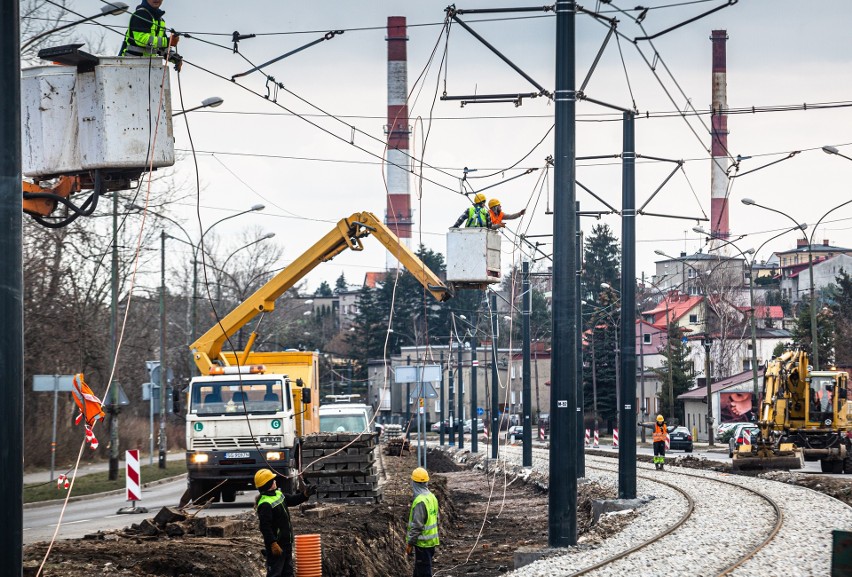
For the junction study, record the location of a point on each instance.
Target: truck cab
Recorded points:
(236, 423)
(344, 413)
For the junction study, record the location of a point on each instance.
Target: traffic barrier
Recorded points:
(541, 433)
(668, 442)
(588, 437)
(615, 438)
(597, 439)
(308, 556)
(134, 492)
(62, 482)
(746, 438)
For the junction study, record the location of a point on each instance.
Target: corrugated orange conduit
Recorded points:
(308, 556)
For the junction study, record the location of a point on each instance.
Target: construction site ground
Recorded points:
(485, 518)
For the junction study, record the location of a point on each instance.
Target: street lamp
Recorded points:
(108, 9)
(810, 241)
(833, 150)
(211, 102)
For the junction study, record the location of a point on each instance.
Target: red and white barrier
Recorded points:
(668, 442)
(588, 437)
(541, 433)
(134, 492)
(62, 482)
(615, 438)
(746, 438)
(597, 439)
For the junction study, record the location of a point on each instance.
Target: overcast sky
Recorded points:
(780, 52)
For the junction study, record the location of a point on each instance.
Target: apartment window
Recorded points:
(690, 273)
(646, 339)
(693, 319)
(746, 364)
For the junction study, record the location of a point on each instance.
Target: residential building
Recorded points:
(689, 273)
(796, 278)
(799, 255)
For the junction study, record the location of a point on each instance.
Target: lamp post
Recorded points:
(750, 264)
(810, 241)
(223, 268)
(108, 9)
(211, 102)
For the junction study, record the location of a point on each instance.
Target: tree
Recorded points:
(340, 284)
(601, 261)
(842, 309)
(675, 357)
(324, 290)
(826, 331)
(599, 380)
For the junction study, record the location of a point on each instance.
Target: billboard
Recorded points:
(738, 407)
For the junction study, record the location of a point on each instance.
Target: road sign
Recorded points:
(50, 383)
(427, 391)
(123, 401)
(479, 411)
(414, 374)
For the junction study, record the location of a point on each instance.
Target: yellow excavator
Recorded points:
(803, 417)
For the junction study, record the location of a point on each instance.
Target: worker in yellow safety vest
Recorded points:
(498, 216)
(422, 535)
(147, 36)
(477, 215)
(661, 431)
(274, 520)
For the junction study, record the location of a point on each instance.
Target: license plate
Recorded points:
(270, 440)
(236, 455)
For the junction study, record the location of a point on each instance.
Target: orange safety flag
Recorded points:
(91, 408)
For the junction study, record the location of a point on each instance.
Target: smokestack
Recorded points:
(719, 134)
(398, 216)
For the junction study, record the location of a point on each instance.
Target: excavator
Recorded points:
(803, 417)
(250, 409)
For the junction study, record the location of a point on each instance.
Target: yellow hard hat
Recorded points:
(479, 197)
(660, 418)
(493, 202)
(262, 477)
(419, 475)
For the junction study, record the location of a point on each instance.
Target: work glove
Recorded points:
(174, 39)
(408, 548)
(276, 549)
(310, 490)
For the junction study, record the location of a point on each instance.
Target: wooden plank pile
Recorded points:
(342, 466)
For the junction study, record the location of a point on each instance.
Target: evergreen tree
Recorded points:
(324, 290)
(599, 376)
(842, 309)
(340, 284)
(826, 332)
(681, 372)
(601, 262)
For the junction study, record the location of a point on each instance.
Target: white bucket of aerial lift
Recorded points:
(116, 128)
(49, 125)
(473, 255)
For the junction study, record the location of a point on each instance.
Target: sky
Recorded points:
(303, 160)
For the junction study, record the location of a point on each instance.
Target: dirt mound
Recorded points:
(840, 489)
(440, 462)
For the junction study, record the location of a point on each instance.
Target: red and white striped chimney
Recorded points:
(719, 146)
(398, 216)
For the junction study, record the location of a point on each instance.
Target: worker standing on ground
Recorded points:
(498, 216)
(146, 34)
(422, 535)
(274, 520)
(476, 216)
(661, 431)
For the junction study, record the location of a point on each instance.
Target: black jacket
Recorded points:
(275, 521)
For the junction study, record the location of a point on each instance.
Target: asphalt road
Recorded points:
(99, 512)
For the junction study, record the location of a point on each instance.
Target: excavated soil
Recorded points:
(485, 517)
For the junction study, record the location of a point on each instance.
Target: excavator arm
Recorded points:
(347, 234)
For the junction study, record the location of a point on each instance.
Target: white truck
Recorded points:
(342, 415)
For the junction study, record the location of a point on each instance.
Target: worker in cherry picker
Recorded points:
(498, 216)
(147, 35)
(661, 431)
(477, 216)
(274, 520)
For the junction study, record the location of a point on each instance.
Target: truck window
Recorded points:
(231, 397)
(343, 423)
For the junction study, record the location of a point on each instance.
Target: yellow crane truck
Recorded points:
(248, 410)
(803, 417)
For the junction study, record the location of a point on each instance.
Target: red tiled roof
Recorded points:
(678, 306)
(372, 278)
(763, 311)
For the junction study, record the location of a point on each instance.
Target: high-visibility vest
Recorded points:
(277, 500)
(476, 216)
(429, 536)
(497, 218)
(660, 433)
(151, 43)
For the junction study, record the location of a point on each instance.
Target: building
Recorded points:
(689, 273)
(732, 399)
(796, 278)
(799, 255)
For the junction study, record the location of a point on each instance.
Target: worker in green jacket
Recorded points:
(477, 215)
(147, 35)
(422, 536)
(274, 520)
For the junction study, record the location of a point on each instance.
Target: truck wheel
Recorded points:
(826, 466)
(199, 492)
(229, 494)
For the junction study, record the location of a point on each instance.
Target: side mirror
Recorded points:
(306, 395)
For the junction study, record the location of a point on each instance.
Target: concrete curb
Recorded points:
(40, 504)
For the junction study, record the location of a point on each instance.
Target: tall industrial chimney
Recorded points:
(719, 134)
(398, 216)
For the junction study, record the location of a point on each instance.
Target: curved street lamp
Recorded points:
(211, 102)
(109, 9)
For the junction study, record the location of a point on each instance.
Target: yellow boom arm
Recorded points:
(347, 234)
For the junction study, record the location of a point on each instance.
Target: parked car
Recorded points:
(480, 426)
(515, 433)
(680, 439)
(737, 434)
(722, 431)
(436, 427)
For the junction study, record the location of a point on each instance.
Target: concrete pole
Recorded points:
(113, 332)
(163, 361)
(527, 389)
(495, 389)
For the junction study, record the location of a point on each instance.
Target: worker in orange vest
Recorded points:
(498, 216)
(661, 431)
